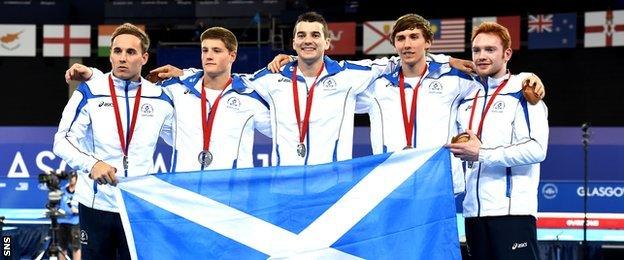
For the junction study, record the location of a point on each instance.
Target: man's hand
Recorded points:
(164, 72)
(463, 65)
(533, 89)
(279, 61)
(467, 151)
(103, 173)
(78, 72)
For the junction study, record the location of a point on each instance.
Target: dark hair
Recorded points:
(410, 22)
(312, 17)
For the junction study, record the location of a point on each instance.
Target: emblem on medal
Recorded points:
(204, 158)
(301, 150)
(125, 162)
(460, 138)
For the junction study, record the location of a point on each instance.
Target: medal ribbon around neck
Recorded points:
(303, 126)
(408, 121)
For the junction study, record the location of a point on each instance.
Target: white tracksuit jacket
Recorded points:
(240, 111)
(514, 141)
(88, 133)
(439, 96)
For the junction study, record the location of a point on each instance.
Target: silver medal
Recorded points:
(204, 158)
(301, 149)
(125, 162)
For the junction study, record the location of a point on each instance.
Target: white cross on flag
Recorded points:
(66, 40)
(376, 37)
(604, 28)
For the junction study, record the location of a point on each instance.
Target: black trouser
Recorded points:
(102, 235)
(502, 237)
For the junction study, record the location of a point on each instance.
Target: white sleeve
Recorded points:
(439, 58)
(262, 120)
(189, 72)
(364, 100)
(95, 73)
(168, 130)
(531, 135)
(71, 135)
(258, 85)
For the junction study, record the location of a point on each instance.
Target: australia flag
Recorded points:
(552, 31)
(389, 206)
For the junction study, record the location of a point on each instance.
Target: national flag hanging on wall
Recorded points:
(342, 38)
(512, 23)
(552, 31)
(376, 37)
(392, 206)
(105, 32)
(604, 28)
(66, 40)
(449, 35)
(18, 40)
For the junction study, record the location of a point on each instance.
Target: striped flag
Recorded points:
(18, 40)
(512, 23)
(449, 35)
(604, 28)
(66, 40)
(105, 32)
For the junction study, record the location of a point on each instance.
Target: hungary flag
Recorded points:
(104, 38)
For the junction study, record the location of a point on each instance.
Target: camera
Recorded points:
(52, 180)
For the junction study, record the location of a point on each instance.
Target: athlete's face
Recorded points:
(310, 43)
(489, 56)
(411, 46)
(127, 57)
(216, 58)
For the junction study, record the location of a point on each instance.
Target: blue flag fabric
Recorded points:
(551, 31)
(390, 206)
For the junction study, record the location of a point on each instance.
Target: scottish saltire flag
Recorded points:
(390, 206)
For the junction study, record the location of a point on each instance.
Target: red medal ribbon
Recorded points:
(137, 101)
(407, 123)
(207, 126)
(487, 107)
(303, 126)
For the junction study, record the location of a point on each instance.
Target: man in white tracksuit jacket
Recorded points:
(508, 140)
(109, 131)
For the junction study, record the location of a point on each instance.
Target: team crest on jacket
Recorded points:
(498, 107)
(435, 87)
(329, 84)
(233, 103)
(147, 110)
